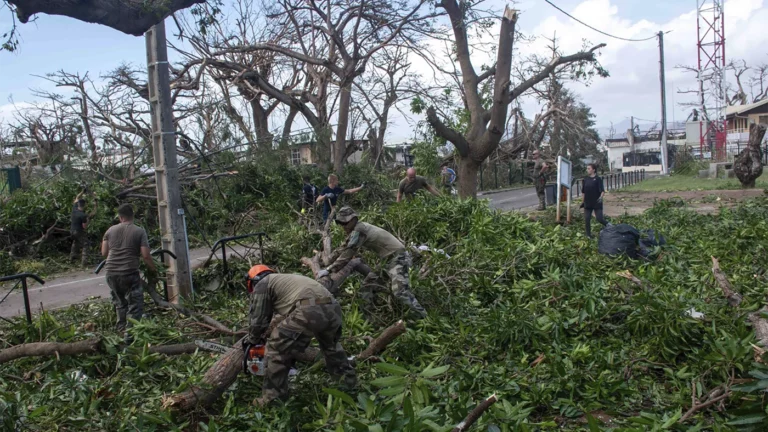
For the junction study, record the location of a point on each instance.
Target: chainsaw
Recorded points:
(254, 362)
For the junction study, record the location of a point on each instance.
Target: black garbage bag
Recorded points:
(649, 240)
(618, 239)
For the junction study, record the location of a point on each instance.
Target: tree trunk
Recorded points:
(748, 164)
(217, 380)
(261, 123)
(286, 136)
(340, 145)
(467, 174)
(38, 349)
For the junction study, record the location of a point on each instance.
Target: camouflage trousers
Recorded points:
(540, 184)
(292, 337)
(397, 270)
(128, 298)
(79, 247)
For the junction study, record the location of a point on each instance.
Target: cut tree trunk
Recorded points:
(748, 165)
(39, 349)
(218, 379)
(224, 372)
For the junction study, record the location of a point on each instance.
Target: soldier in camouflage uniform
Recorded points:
(386, 246)
(540, 169)
(310, 311)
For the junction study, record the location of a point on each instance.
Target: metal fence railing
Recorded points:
(500, 175)
(21, 279)
(222, 242)
(611, 182)
(728, 153)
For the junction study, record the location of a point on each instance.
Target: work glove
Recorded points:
(600, 200)
(322, 273)
(362, 185)
(330, 195)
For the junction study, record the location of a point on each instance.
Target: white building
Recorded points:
(641, 150)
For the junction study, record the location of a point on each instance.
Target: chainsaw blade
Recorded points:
(212, 346)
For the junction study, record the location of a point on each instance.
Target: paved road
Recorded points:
(513, 199)
(77, 287)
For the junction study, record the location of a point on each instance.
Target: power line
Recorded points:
(599, 31)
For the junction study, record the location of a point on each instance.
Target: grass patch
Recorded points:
(688, 183)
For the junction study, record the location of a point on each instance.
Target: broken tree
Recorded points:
(748, 165)
(487, 125)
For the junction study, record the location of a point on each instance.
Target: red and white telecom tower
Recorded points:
(711, 76)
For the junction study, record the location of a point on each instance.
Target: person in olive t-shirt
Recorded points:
(122, 245)
(412, 184)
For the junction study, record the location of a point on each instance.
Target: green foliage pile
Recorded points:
(526, 310)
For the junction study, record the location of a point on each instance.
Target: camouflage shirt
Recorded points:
(369, 237)
(278, 293)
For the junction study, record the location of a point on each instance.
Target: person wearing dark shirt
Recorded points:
(78, 229)
(309, 195)
(331, 193)
(593, 198)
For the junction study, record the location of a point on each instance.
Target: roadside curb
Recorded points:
(492, 192)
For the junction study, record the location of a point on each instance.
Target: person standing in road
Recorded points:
(310, 311)
(540, 170)
(122, 245)
(331, 193)
(78, 228)
(413, 183)
(593, 198)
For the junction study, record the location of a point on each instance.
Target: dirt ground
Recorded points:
(705, 201)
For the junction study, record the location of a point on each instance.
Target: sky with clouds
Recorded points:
(53, 43)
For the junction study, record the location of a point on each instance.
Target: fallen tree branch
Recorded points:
(150, 289)
(380, 343)
(703, 405)
(335, 280)
(475, 414)
(218, 378)
(175, 349)
(224, 372)
(734, 298)
(39, 349)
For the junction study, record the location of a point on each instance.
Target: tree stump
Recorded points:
(748, 166)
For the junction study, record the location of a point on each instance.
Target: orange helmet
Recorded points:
(255, 274)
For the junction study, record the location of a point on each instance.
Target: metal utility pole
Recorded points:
(664, 167)
(169, 207)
